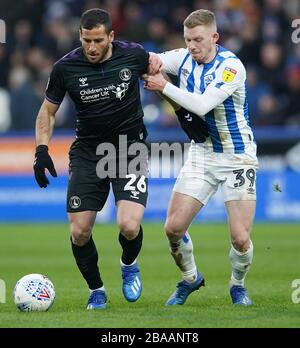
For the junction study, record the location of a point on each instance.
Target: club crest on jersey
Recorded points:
(83, 82)
(207, 79)
(185, 72)
(228, 74)
(125, 74)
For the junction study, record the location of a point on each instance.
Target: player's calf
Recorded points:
(240, 263)
(182, 253)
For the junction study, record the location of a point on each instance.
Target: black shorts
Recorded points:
(89, 184)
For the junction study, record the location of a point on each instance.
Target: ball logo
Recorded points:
(75, 202)
(44, 294)
(125, 74)
(37, 290)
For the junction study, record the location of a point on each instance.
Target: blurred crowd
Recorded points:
(259, 31)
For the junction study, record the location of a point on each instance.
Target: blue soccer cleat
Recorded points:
(239, 296)
(132, 284)
(97, 300)
(184, 289)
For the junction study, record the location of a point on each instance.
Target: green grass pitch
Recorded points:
(45, 249)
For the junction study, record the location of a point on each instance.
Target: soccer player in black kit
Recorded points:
(102, 79)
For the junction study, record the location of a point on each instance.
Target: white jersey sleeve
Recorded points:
(196, 103)
(172, 60)
(228, 78)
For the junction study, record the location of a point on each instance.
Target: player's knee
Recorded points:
(241, 243)
(129, 228)
(173, 229)
(80, 233)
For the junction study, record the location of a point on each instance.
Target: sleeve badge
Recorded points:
(228, 74)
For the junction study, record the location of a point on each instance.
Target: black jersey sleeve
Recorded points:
(56, 89)
(143, 58)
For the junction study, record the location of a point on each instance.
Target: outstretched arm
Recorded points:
(200, 104)
(45, 123)
(43, 131)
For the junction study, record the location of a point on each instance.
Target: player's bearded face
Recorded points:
(96, 43)
(201, 43)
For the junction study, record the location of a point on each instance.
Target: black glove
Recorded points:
(43, 161)
(193, 125)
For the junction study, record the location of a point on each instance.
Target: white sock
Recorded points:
(123, 264)
(240, 262)
(102, 289)
(182, 252)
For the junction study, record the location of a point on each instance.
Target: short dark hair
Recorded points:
(200, 17)
(94, 17)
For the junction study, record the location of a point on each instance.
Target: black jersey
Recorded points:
(106, 95)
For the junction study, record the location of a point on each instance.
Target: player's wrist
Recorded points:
(165, 87)
(41, 148)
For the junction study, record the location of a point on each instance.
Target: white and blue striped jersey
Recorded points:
(228, 122)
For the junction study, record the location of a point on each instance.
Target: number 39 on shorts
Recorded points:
(240, 177)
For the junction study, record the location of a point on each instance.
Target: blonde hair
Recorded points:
(200, 17)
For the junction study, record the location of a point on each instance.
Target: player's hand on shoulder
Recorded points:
(154, 82)
(155, 64)
(43, 161)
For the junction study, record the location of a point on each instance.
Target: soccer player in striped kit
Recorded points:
(211, 87)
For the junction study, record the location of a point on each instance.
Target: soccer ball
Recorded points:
(34, 292)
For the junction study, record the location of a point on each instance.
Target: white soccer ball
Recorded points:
(34, 292)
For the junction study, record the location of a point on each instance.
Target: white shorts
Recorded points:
(205, 170)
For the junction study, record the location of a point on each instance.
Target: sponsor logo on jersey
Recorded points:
(120, 90)
(95, 94)
(228, 74)
(125, 74)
